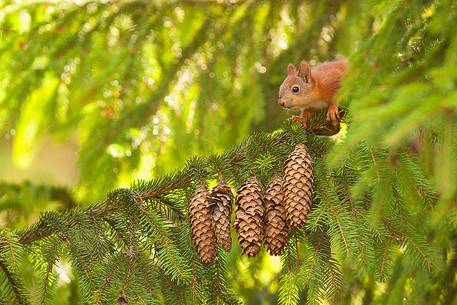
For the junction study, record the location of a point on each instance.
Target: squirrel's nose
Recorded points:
(282, 103)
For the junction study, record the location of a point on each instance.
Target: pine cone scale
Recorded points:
(276, 232)
(249, 216)
(298, 186)
(202, 228)
(221, 199)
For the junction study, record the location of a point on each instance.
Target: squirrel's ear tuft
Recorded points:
(304, 71)
(291, 69)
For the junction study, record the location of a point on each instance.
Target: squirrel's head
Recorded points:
(295, 91)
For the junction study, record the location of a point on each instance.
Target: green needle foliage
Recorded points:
(165, 80)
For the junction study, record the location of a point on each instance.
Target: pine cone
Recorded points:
(249, 216)
(298, 186)
(202, 227)
(276, 230)
(220, 201)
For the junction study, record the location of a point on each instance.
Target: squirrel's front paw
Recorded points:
(300, 119)
(296, 118)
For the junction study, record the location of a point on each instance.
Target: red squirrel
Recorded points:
(307, 90)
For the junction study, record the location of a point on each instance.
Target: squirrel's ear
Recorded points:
(304, 71)
(291, 69)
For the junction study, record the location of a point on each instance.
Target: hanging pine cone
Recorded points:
(249, 216)
(201, 223)
(276, 230)
(298, 186)
(220, 200)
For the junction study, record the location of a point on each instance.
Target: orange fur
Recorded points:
(328, 77)
(317, 88)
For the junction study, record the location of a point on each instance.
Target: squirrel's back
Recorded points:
(337, 65)
(329, 76)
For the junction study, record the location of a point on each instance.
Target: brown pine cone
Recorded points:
(249, 216)
(298, 186)
(276, 230)
(202, 228)
(220, 201)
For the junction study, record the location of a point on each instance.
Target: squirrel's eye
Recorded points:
(295, 89)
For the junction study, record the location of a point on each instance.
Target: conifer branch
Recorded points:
(390, 189)
(12, 283)
(154, 189)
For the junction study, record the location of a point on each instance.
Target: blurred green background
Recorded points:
(97, 94)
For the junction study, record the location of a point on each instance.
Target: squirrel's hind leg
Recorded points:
(333, 114)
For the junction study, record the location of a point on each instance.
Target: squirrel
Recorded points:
(307, 90)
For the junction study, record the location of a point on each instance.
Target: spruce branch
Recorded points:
(154, 189)
(386, 207)
(10, 282)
